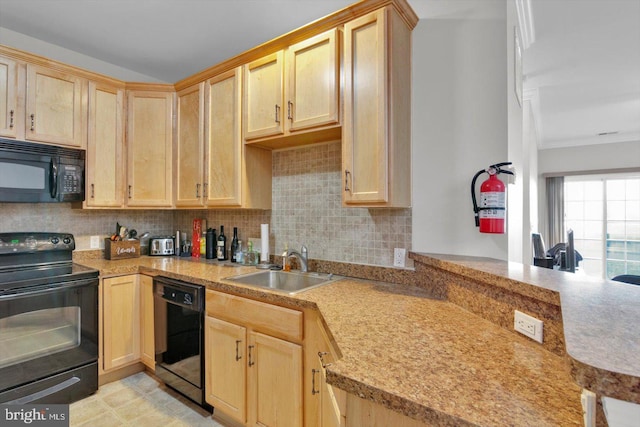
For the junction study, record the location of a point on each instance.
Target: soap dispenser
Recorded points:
(285, 262)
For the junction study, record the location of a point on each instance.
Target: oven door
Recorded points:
(46, 331)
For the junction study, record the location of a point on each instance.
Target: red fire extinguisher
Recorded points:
(491, 214)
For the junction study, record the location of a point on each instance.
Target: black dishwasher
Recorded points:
(179, 336)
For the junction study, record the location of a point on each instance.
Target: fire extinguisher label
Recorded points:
(491, 200)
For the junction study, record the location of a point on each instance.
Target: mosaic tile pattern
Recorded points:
(307, 209)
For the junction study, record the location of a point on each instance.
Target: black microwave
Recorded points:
(35, 173)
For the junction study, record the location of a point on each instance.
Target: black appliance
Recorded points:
(48, 321)
(179, 336)
(33, 173)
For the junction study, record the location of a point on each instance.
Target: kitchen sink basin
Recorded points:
(290, 282)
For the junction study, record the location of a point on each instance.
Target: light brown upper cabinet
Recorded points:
(224, 140)
(313, 76)
(41, 104)
(54, 110)
(105, 147)
(8, 97)
(190, 180)
(149, 148)
(292, 96)
(215, 169)
(376, 135)
(263, 97)
(237, 175)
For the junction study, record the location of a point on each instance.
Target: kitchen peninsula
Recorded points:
(413, 343)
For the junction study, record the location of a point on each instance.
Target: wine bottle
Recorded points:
(222, 245)
(234, 244)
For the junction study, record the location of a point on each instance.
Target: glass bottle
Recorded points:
(234, 245)
(222, 246)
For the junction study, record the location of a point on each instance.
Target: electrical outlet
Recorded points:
(95, 242)
(527, 325)
(398, 257)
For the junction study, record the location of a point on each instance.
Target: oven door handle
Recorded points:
(44, 393)
(48, 288)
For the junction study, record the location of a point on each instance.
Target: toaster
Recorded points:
(162, 246)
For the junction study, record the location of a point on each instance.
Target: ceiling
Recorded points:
(582, 71)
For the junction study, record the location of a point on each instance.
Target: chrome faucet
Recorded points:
(302, 256)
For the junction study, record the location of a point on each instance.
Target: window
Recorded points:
(604, 213)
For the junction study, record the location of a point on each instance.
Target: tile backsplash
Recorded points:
(306, 209)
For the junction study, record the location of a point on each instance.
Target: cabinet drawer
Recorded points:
(260, 316)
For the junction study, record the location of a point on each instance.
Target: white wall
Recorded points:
(29, 44)
(590, 157)
(517, 214)
(530, 147)
(459, 126)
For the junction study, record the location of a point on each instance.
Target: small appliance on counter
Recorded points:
(162, 246)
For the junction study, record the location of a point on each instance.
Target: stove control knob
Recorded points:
(66, 240)
(55, 240)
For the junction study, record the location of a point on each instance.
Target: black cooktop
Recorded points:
(36, 259)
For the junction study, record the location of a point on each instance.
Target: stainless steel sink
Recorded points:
(290, 282)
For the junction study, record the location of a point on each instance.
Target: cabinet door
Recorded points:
(313, 69)
(105, 145)
(365, 98)
(149, 153)
(225, 367)
(263, 97)
(147, 348)
(274, 381)
(54, 107)
(190, 147)
(8, 97)
(121, 322)
(376, 144)
(224, 140)
(330, 411)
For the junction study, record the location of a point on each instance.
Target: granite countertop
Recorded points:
(600, 317)
(426, 358)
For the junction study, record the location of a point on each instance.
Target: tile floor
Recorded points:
(139, 400)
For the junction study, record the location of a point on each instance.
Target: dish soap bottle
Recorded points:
(285, 262)
(252, 256)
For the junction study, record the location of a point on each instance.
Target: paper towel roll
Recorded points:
(264, 243)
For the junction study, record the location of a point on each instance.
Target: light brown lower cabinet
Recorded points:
(120, 321)
(252, 374)
(147, 349)
(126, 322)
